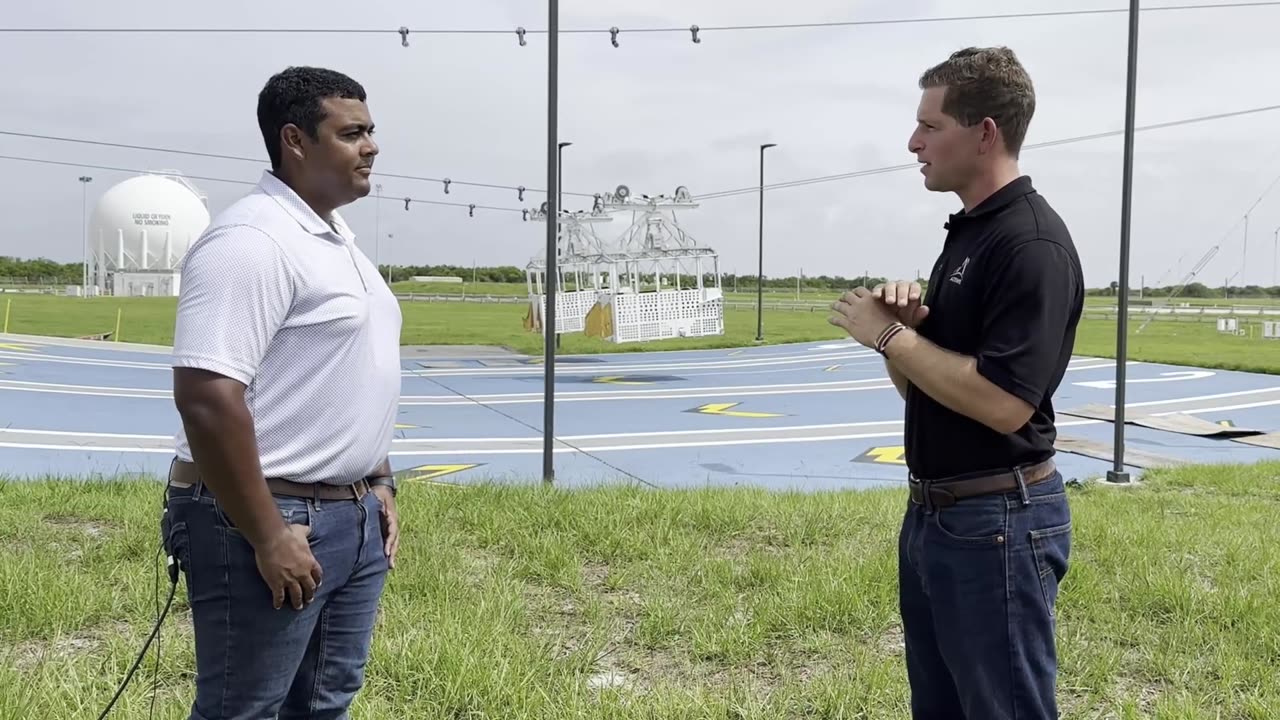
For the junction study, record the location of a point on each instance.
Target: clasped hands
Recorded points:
(865, 314)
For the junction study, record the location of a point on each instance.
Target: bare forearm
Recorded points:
(899, 380)
(220, 433)
(953, 380)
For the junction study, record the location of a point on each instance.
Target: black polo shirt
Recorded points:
(1008, 289)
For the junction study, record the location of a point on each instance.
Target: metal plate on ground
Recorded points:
(1104, 451)
(1178, 423)
(1270, 440)
(626, 379)
(450, 364)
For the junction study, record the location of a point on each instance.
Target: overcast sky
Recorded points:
(659, 112)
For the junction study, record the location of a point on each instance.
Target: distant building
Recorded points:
(140, 231)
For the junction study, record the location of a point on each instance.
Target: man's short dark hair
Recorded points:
(986, 82)
(294, 96)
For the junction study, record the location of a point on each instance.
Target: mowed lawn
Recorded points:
(150, 320)
(541, 604)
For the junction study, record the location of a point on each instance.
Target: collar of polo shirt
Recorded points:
(299, 210)
(998, 200)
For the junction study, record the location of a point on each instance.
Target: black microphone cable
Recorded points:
(164, 613)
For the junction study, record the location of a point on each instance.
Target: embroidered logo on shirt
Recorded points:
(957, 275)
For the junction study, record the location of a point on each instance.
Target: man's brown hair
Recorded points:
(986, 82)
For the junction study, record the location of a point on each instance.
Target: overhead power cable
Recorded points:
(520, 190)
(613, 32)
(471, 207)
(1049, 143)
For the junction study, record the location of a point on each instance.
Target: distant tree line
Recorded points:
(47, 272)
(1192, 290)
(500, 274)
(747, 282)
(40, 272)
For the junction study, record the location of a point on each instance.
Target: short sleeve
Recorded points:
(1032, 301)
(237, 288)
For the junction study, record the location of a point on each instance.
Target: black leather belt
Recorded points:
(186, 474)
(944, 493)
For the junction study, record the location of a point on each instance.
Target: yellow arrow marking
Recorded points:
(423, 473)
(735, 352)
(619, 380)
(833, 368)
(1226, 423)
(402, 426)
(724, 409)
(19, 348)
(890, 454)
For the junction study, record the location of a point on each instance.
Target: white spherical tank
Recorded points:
(146, 223)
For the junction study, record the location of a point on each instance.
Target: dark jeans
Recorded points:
(255, 662)
(978, 584)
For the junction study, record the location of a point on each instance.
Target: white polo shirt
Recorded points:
(273, 296)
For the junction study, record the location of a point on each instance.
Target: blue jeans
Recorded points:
(255, 662)
(978, 588)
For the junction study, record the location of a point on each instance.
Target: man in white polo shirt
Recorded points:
(281, 504)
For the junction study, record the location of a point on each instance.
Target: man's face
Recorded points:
(949, 152)
(339, 161)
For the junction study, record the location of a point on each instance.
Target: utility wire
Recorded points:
(404, 32)
(1049, 143)
(471, 207)
(709, 196)
(520, 190)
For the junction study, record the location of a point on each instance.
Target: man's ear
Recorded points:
(292, 141)
(990, 136)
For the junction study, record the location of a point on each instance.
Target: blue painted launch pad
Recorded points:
(813, 416)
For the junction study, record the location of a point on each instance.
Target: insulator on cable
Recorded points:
(520, 34)
(471, 210)
(613, 36)
(521, 191)
(406, 204)
(694, 30)
(446, 185)
(404, 36)
(525, 213)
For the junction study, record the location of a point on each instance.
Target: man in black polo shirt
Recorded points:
(987, 533)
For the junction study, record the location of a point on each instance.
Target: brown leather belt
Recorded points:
(944, 493)
(185, 474)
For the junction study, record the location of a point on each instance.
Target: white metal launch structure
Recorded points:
(654, 282)
(578, 275)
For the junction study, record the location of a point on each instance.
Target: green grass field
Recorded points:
(512, 602)
(150, 320)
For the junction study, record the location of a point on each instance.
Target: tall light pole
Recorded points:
(377, 231)
(760, 253)
(1117, 473)
(553, 227)
(1275, 250)
(1244, 258)
(560, 174)
(84, 226)
(559, 197)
